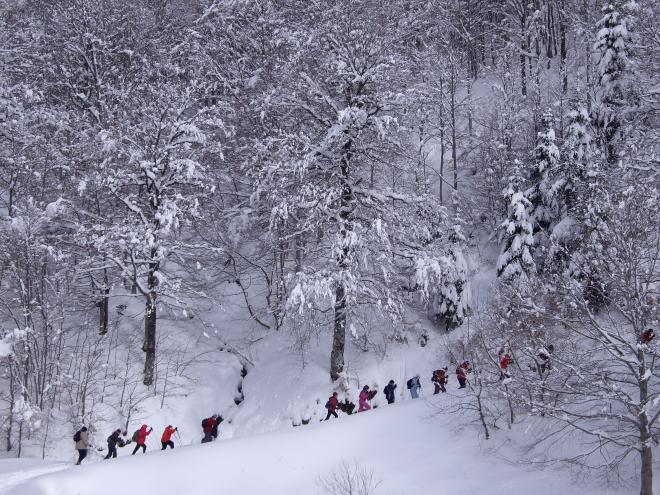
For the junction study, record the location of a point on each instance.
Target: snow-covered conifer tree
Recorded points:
(614, 96)
(516, 258)
(546, 159)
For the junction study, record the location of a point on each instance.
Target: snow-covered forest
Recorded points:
(241, 206)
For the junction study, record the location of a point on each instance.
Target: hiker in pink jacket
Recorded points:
(364, 399)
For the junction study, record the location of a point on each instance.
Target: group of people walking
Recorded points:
(439, 380)
(118, 438)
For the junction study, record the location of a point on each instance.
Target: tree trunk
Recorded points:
(339, 334)
(523, 54)
(647, 469)
(453, 128)
(149, 346)
(442, 138)
(103, 305)
(562, 47)
(644, 428)
(345, 214)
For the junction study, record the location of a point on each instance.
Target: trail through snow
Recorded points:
(409, 448)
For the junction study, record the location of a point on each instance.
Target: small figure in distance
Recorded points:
(647, 336)
(209, 425)
(347, 406)
(166, 438)
(331, 406)
(461, 376)
(364, 399)
(414, 386)
(82, 443)
(140, 439)
(439, 380)
(113, 440)
(389, 391)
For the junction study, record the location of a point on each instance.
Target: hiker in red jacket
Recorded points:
(165, 440)
(647, 336)
(208, 425)
(140, 437)
(504, 362)
(439, 380)
(331, 406)
(504, 365)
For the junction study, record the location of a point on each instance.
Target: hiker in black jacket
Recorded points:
(389, 391)
(113, 441)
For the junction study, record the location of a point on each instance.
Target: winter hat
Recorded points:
(84, 428)
(391, 382)
(366, 387)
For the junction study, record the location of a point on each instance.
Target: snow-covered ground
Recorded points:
(14, 472)
(410, 449)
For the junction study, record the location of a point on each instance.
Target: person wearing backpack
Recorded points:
(113, 440)
(208, 426)
(389, 391)
(414, 386)
(363, 399)
(331, 406)
(165, 439)
(347, 406)
(140, 439)
(461, 376)
(439, 380)
(81, 438)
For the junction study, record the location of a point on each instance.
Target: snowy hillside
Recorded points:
(410, 449)
(264, 210)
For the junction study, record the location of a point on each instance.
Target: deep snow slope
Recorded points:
(409, 448)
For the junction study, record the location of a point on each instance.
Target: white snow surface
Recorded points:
(411, 449)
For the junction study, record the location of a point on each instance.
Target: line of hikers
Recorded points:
(439, 380)
(119, 439)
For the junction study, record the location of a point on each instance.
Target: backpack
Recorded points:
(76, 436)
(409, 383)
(135, 436)
(327, 405)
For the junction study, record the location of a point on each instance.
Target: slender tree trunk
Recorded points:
(103, 305)
(12, 401)
(453, 129)
(644, 428)
(469, 109)
(562, 47)
(442, 138)
(523, 54)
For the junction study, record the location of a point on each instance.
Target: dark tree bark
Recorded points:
(645, 438)
(150, 321)
(341, 306)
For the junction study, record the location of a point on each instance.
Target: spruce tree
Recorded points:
(516, 259)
